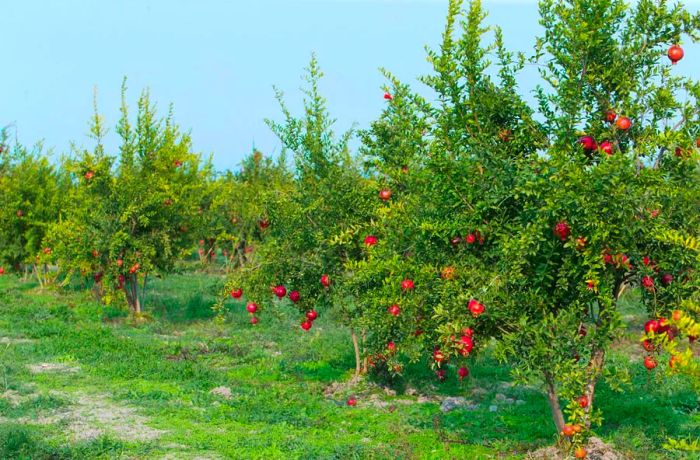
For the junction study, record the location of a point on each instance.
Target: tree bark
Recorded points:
(356, 346)
(553, 399)
(595, 365)
(132, 294)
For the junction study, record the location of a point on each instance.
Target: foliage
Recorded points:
(33, 195)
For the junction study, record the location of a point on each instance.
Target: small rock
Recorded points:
(500, 397)
(478, 391)
(423, 400)
(390, 392)
(411, 391)
(493, 408)
(224, 392)
(519, 402)
(451, 403)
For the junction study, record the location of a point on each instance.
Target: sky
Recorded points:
(216, 61)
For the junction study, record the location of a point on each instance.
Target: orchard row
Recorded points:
(469, 218)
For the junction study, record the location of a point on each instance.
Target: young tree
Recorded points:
(131, 214)
(316, 225)
(233, 208)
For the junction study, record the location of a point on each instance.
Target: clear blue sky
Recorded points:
(216, 61)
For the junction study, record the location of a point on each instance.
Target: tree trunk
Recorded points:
(553, 400)
(132, 294)
(595, 366)
(356, 346)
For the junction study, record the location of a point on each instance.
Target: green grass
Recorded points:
(161, 373)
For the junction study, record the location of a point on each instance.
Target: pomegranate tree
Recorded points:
(134, 216)
(528, 222)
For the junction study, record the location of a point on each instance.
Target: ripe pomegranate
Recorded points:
(623, 123)
(672, 362)
(651, 326)
(648, 346)
(2, 271)
(394, 310)
(407, 284)
(675, 54)
(562, 230)
(646, 261)
(352, 402)
(676, 315)
(649, 362)
(467, 344)
(470, 238)
(648, 283)
(588, 143)
(264, 223)
(306, 325)
(95, 253)
(580, 453)
(438, 356)
(475, 307)
(89, 175)
(606, 147)
(448, 273)
(280, 291)
(582, 401)
(253, 320)
(388, 96)
(391, 347)
(120, 262)
(582, 331)
(97, 277)
(385, 194)
(463, 372)
(237, 293)
(568, 431)
(468, 332)
(311, 315)
(294, 296)
(666, 279)
(370, 240)
(505, 135)
(252, 308)
(177, 163)
(325, 281)
(610, 115)
(134, 268)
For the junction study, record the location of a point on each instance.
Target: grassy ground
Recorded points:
(78, 381)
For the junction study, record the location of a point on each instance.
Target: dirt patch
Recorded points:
(43, 368)
(15, 398)
(93, 415)
(597, 450)
(14, 341)
(222, 391)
